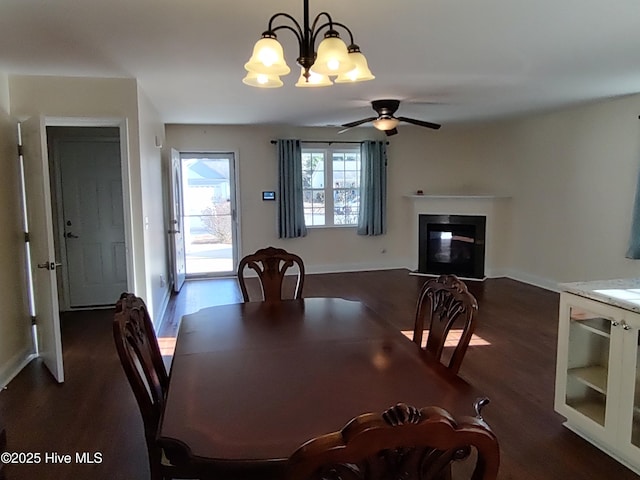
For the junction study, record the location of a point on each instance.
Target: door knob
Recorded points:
(71, 235)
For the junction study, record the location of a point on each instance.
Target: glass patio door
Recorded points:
(209, 213)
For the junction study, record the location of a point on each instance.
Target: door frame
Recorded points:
(238, 209)
(58, 188)
(121, 124)
(176, 220)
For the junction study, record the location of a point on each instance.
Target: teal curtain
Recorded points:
(634, 240)
(290, 207)
(372, 219)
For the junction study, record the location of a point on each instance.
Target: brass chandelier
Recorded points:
(332, 59)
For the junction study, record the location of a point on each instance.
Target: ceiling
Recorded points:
(449, 61)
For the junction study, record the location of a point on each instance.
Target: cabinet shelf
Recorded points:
(593, 410)
(599, 326)
(598, 374)
(594, 376)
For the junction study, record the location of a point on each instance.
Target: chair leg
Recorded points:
(155, 469)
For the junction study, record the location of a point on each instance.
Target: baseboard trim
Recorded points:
(534, 280)
(436, 275)
(605, 448)
(354, 267)
(517, 275)
(159, 315)
(15, 366)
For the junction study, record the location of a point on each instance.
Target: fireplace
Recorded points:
(453, 244)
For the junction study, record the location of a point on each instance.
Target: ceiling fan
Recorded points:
(385, 120)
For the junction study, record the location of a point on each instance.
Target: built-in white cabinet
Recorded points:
(598, 375)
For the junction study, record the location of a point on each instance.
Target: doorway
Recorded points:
(43, 250)
(88, 215)
(209, 213)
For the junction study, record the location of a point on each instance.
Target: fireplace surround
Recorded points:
(452, 244)
(494, 206)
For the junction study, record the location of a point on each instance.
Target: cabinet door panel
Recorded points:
(629, 422)
(588, 366)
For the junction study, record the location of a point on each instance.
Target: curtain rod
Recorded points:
(273, 142)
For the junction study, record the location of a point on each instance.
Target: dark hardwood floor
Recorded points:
(95, 411)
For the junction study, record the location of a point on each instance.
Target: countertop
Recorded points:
(622, 292)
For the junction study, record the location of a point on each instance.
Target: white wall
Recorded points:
(78, 100)
(15, 324)
(75, 97)
(571, 175)
(451, 159)
(153, 203)
(577, 171)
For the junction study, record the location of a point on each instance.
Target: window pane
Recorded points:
(313, 183)
(312, 170)
(208, 235)
(346, 206)
(337, 180)
(313, 200)
(346, 184)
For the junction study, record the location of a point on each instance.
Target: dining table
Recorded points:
(251, 382)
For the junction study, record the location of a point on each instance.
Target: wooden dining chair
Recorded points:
(141, 360)
(3, 448)
(271, 265)
(442, 302)
(401, 443)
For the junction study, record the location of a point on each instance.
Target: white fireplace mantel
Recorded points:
(458, 196)
(495, 207)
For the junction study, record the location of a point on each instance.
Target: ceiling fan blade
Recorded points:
(420, 123)
(359, 122)
(393, 131)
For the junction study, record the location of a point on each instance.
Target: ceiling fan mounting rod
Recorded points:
(385, 107)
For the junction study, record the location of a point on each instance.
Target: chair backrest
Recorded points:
(3, 448)
(403, 442)
(271, 265)
(141, 360)
(442, 302)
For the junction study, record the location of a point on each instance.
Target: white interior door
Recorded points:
(41, 245)
(176, 227)
(92, 220)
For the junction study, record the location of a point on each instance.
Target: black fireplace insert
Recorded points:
(452, 244)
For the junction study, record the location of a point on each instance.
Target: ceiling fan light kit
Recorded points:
(333, 57)
(386, 123)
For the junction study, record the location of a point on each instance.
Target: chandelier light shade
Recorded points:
(386, 123)
(262, 80)
(314, 80)
(267, 58)
(332, 58)
(361, 71)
